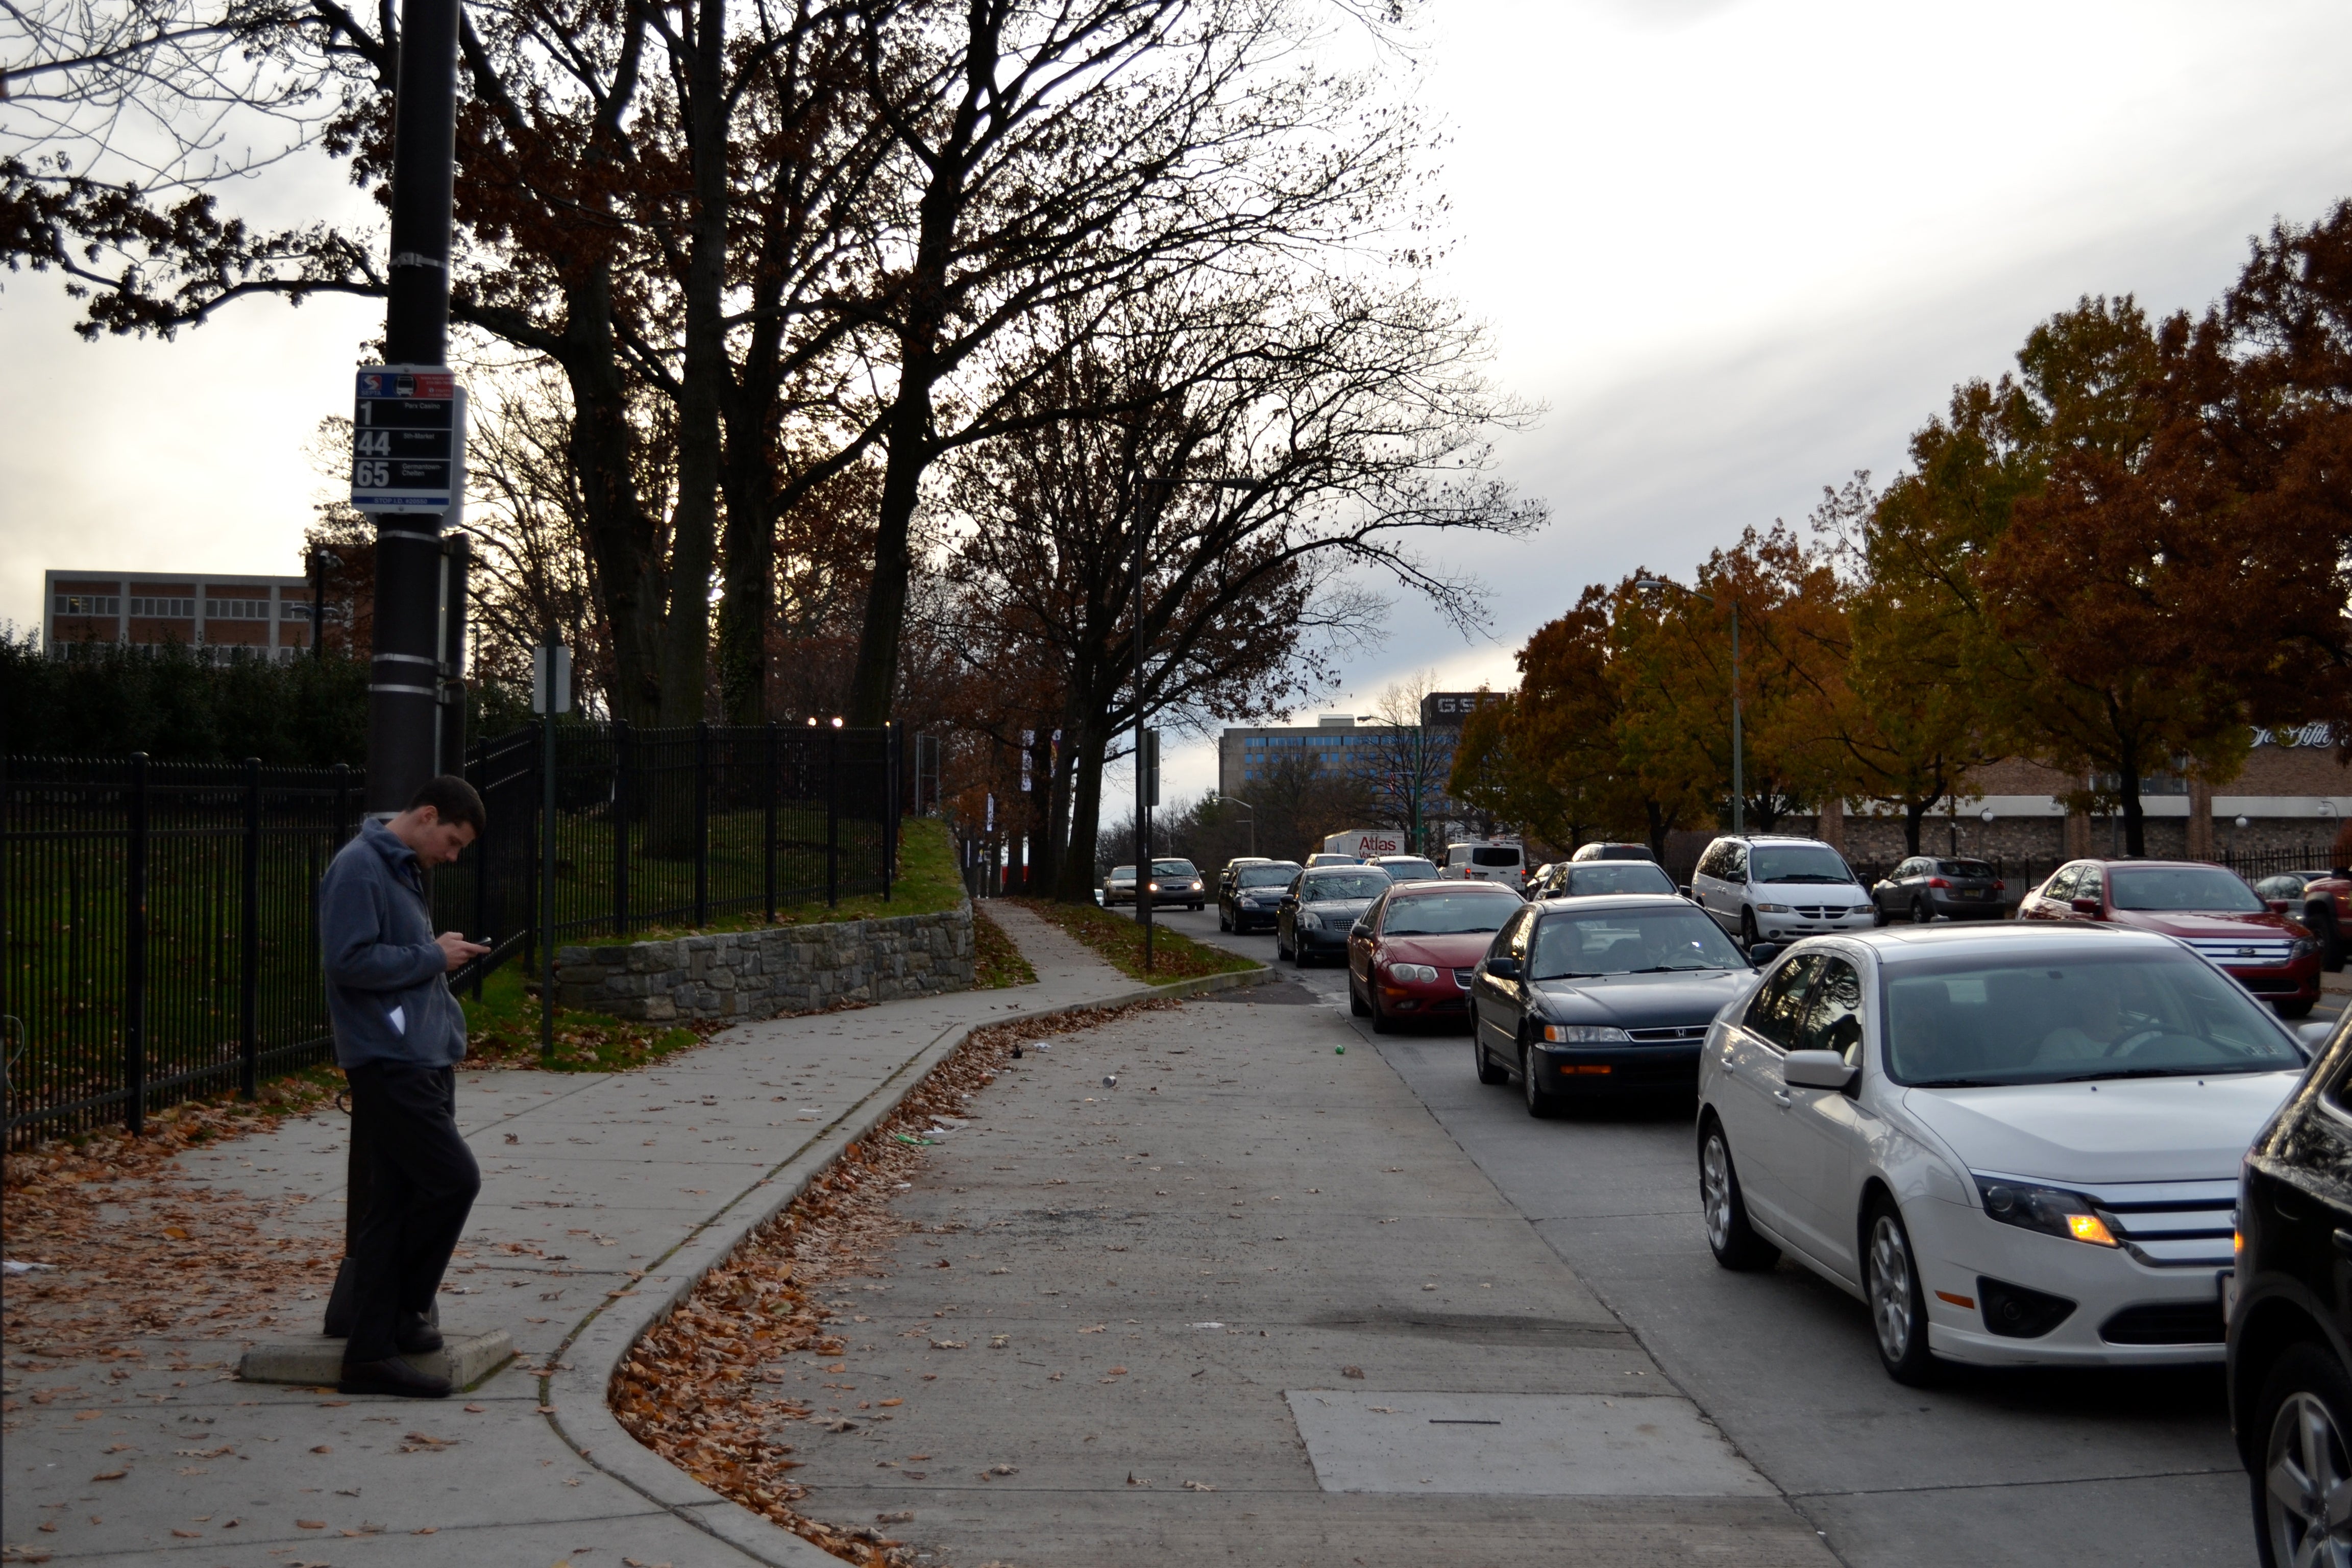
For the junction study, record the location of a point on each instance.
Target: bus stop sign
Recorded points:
(408, 434)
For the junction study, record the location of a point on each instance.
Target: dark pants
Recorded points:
(421, 1180)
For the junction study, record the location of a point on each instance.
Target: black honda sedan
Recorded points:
(1600, 997)
(1313, 920)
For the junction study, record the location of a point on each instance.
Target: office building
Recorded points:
(269, 616)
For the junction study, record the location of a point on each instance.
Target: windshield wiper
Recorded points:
(1677, 968)
(1964, 1083)
(1806, 876)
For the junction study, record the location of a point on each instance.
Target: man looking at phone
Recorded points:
(399, 1036)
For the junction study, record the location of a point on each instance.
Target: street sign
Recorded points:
(560, 657)
(1150, 763)
(408, 440)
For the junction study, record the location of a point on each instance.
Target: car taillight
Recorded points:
(1938, 882)
(1998, 886)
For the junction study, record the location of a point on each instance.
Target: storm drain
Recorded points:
(1518, 1445)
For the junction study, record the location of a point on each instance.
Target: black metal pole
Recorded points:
(457, 567)
(318, 559)
(404, 701)
(702, 824)
(134, 952)
(774, 744)
(890, 806)
(620, 828)
(1143, 511)
(547, 870)
(248, 998)
(833, 818)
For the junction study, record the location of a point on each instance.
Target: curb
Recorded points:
(592, 1353)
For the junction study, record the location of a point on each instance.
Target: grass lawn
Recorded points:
(503, 1030)
(1120, 941)
(926, 883)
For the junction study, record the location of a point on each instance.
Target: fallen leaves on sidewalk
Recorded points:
(693, 1390)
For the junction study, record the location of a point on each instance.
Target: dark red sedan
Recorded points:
(2209, 907)
(1413, 954)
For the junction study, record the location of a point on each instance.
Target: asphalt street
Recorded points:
(1992, 1467)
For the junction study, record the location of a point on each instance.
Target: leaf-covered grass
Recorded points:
(1119, 940)
(503, 1030)
(926, 883)
(996, 962)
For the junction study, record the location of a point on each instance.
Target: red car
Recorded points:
(2209, 907)
(1413, 954)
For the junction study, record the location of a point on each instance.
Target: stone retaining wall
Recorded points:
(781, 969)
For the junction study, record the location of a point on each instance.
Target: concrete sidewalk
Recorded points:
(604, 1198)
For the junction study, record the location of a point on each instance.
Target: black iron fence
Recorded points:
(2024, 873)
(160, 922)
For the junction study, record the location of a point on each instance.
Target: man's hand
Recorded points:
(455, 950)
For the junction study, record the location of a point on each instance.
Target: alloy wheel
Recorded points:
(1715, 1191)
(1920, 914)
(2307, 1483)
(1890, 1288)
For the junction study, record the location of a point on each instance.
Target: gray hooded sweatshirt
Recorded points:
(387, 990)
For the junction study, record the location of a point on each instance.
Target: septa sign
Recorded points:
(408, 440)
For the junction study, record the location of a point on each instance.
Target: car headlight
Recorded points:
(1414, 973)
(1154, 886)
(1196, 887)
(2303, 947)
(1772, 908)
(2051, 1210)
(1585, 1035)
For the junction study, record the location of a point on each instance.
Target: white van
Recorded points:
(1487, 860)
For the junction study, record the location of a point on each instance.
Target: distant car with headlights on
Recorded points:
(1412, 954)
(1175, 882)
(2017, 1145)
(1603, 995)
(1321, 905)
(1251, 895)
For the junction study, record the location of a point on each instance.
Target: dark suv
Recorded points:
(2291, 1314)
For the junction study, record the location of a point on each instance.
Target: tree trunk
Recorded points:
(686, 647)
(1085, 743)
(874, 684)
(621, 537)
(1913, 810)
(2127, 794)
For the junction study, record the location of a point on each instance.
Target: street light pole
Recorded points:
(1236, 800)
(1739, 749)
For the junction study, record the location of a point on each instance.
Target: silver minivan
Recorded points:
(1766, 888)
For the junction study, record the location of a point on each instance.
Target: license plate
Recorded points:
(2229, 1283)
(1971, 892)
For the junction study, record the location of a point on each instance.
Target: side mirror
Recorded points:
(2277, 906)
(1816, 1069)
(2086, 906)
(1764, 952)
(1683, 890)
(2315, 1034)
(1502, 966)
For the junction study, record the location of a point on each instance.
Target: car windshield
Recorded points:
(1970, 1022)
(1448, 914)
(1174, 869)
(1123, 873)
(1630, 941)
(2180, 888)
(1411, 870)
(1615, 877)
(1976, 870)
(1797, 863)
(1322, 886)
(1266, 876)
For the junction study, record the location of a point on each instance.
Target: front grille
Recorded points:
(1671, 1035)
(2234, 953)
(1823, 911)
(2169, 1323)
(2171, 1225)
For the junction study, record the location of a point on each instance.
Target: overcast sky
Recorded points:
(1739, 249)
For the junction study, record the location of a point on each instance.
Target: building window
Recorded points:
(90, 604)
(237, 609)
(168, 609)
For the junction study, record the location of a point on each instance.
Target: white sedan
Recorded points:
(2015, 1144)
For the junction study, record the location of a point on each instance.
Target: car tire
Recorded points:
(1489, 1072)
(1921, 915)
(2298, 1009)
(1897, 1300)
(1225, 922)
(1877, 912)
(1541, 1106)
(1355, 999)
(1280, 950)
(1722, 1208)
(1381, 1023)
(2302, 1429)
(1748, 935)
(2330, 936)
